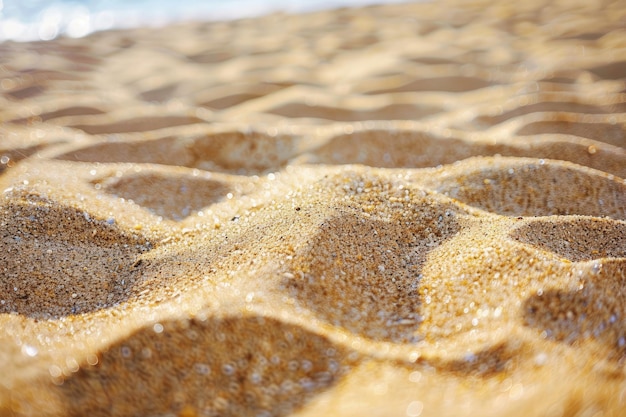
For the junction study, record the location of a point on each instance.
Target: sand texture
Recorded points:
(409, 210)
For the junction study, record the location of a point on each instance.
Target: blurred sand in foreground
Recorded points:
(408, 210)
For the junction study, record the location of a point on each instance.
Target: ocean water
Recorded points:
(26, 20)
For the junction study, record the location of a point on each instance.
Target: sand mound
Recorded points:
(410, 210)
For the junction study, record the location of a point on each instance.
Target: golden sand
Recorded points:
(409, 210)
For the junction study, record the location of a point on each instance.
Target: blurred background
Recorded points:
(27, 20)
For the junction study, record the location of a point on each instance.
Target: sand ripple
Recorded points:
(416, 209)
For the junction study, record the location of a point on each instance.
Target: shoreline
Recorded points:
(76, 21)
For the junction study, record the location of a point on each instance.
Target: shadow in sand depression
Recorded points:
(232, 366)
(187, 193)
(57, 260)
(371, 268)
(576, 238)
(595, 310)
(414, 149)
(529, 187)
(234, 152)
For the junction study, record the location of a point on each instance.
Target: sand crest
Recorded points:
(412, 210)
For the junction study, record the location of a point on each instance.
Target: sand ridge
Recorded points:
(411, 210)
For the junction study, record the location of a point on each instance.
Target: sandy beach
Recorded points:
(401, 210)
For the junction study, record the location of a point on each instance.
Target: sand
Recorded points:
(403, 210)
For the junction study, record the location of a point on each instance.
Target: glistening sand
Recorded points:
(409, 210)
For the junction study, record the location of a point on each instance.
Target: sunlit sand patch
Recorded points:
(412, 209)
